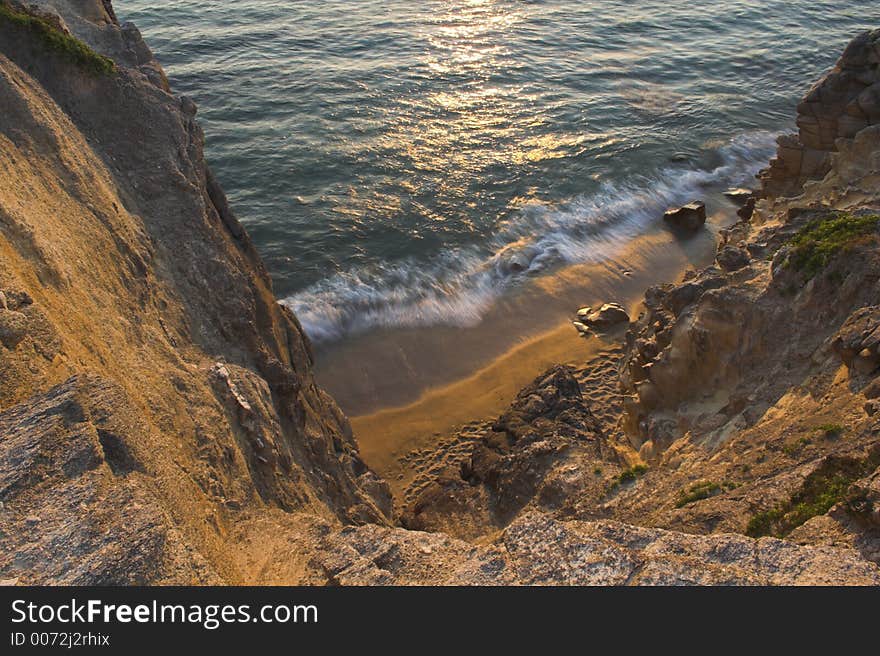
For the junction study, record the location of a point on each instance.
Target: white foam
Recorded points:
(457, 286)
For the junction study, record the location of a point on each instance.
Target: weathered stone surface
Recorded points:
(13, 328)
(76, 509)
(539, 452)
(538, 550)
(731, 258)
(688, 217)
(610, 314)
(858, 340)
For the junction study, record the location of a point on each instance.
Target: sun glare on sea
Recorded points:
(472, 112)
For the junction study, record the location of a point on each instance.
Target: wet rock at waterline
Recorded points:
(688, 217)
(739, 196)
(610, 314)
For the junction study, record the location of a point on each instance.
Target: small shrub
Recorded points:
(56, 41)
(820, 240)
(794, 448)
(822, 490)
(632, 473)
(697, 492)
(830, 430)
(628, 476)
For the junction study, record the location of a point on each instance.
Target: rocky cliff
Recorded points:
(159, 421)
(153, 391)
(748, 391)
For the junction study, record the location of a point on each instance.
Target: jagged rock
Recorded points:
(682, 296)
(838, 107)
(510, 467)
(731, 258)
(688, 218)
(47, 14)
(68, 463)
(379, 491)
(863, 499)
(13, 328)
(858, 340)
(748, 209)
(582, 328)
(872, 389)
(739, 196)
(608, 315)
(539, 550)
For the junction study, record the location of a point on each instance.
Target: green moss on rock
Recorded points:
(57, 41)
(819, 493)
(820, 240)
(697, 492)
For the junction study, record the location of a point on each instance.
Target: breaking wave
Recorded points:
(457, 286)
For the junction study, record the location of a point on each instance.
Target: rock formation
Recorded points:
(610, 314)
(138, 320)
(159, 420)
(687, 218)
(839, 106)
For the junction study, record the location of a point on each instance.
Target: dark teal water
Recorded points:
(405, 163)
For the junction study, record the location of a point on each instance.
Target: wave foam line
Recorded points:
(457, 286)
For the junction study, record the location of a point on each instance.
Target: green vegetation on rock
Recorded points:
(820, 240)
(627, 476)
(793, 448)
(631, 474)
(57, 41)
(822, 490)
(830, 430)
(697, 492)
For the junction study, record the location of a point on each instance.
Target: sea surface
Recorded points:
(406, 164)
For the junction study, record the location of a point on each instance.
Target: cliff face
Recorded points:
(159, 422)
(152, 388)
(839, 106)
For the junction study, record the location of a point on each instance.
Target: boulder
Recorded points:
(13, 328)
(582, 328)
(857, 343)
(839, 107)
(610, 314)
(731, 258)
(745, 212)
(583, 313)
(688, 217)
(738, 196)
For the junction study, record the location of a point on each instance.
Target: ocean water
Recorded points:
(405, 164)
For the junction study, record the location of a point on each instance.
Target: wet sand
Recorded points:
(406, 388)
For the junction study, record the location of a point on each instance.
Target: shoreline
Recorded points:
(387, 433)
